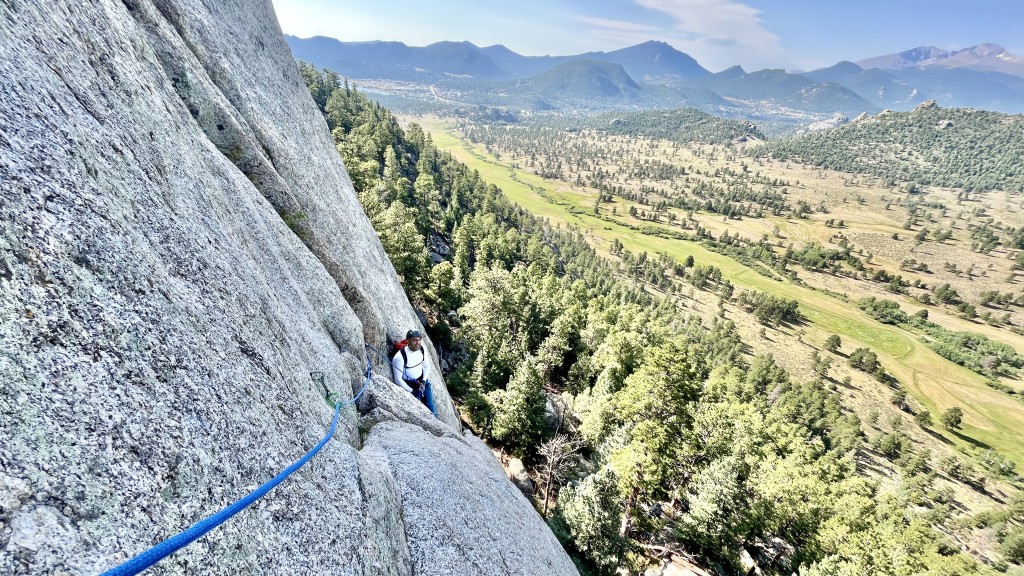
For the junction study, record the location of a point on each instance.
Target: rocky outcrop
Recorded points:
(179, 247)
(827, 124)
(519, 476)
(926, 105)
(676, 567)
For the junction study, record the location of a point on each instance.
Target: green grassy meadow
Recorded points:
(991, 418)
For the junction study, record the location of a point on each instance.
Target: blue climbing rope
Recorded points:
(175, 543)
(381, 354)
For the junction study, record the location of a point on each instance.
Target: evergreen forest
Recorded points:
(653, 432)
(973, 150)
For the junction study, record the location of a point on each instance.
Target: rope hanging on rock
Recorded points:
(175, 543)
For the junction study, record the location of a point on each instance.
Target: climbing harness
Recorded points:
(175, 543)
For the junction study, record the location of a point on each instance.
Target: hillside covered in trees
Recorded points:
(929, 146)
(687, 444)
(678, 125)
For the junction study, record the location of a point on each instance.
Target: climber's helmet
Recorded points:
(413, 339)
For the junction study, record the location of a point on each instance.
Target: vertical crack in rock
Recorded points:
(202, 85)
(242, 131)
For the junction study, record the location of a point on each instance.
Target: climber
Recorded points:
(411, 368)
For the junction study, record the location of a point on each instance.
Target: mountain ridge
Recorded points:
(653, 60)
(581, 79)
(985, 57)
(981, 76)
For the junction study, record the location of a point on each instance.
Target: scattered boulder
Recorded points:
(438, 248)
(676, 566)
(747, 562)
(519, 476)
(766, 556)
(773, 553)
(453, 319)
(553, 411)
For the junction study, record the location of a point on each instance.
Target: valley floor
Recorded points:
(991, 418)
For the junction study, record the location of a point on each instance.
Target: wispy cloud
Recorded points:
(620, 25)
(718, 33)
(723, 28)
(715, 19)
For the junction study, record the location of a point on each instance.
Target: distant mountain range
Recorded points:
(651, 62)
(582, 79)
(905, 86)
(983, 57)
(654, 74)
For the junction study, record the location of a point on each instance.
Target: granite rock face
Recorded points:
(179, 247)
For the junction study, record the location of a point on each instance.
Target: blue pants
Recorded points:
(423, 391)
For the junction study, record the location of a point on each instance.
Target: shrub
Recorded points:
(1012, 546)
(923, 418)
(832, 343)
(892, 445)
(885, 311)
(951, 418)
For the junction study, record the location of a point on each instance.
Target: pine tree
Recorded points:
(592, 513)
(655, 408)
(519, 419)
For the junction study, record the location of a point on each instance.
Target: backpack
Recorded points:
(400, 347)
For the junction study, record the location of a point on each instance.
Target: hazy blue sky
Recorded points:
(718, 33)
